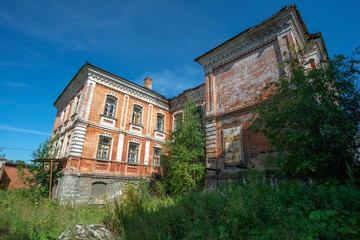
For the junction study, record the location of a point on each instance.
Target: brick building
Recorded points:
(112, 130)
(10, 176)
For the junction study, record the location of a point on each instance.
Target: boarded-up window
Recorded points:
(233, 146)
(98, 189)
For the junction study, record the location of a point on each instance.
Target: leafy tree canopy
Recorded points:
(183, 160)
(311, 118)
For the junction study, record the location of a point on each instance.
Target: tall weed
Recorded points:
(23, 216)
(289, 210)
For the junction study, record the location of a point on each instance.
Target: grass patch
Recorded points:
(290, 210)
(24, 217)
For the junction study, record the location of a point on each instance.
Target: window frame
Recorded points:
(109, 150)
(163, 122)
(137, 153)
(139, 117)
(158, 162)
(107, 109)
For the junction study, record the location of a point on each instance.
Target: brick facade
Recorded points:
(99, 110)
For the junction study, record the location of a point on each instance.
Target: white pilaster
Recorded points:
(147, 149)
(120, 147)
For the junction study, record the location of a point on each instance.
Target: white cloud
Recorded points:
(13, 129)
(16, 84)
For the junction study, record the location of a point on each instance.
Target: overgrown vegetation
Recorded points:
(288, 210)
(38, 179)
(23, 216)
(183, 160)
(312, 119)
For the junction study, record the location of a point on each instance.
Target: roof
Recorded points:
(88, 65)
(292, 6)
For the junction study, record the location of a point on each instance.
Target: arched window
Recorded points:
(110, 106)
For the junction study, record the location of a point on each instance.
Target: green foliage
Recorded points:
(183, 161)
(24, 217)
(39, 177)
(311, 118)
(288, 210)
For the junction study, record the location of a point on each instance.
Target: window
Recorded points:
(104, 148)
(136, 118)
(157, 152)
(160, 122)
(98, 190)
(77, 102)
(61, 146)
(110, 106)
(67, 145)
(133, 153)
(178, 118)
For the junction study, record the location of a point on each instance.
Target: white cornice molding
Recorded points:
(125, 88)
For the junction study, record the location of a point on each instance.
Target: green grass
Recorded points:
(256, 211)
(289, 210)
(24, 217)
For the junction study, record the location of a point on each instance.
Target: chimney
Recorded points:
(148, 83)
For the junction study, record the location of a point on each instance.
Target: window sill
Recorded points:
(132, 163)
(107, 116)
(137, 125)
(102, 159)
(159, 131)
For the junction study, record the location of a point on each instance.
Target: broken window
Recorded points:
(160, 122)
(110, 105)
(157, 152)
(104, 148)
(136, 118)
(133, 153)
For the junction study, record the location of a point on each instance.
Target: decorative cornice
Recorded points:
(129, 90)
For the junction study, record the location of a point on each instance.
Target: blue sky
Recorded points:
(44, 43)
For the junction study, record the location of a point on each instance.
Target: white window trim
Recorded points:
(109, 94)
(161, 113)
(106, 135)
(142, 113)
(157, 146)
(134, 141)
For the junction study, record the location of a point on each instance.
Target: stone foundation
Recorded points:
(77, 188)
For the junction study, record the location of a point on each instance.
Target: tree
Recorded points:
(39, 178)
(183, 160)
(311, 118)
